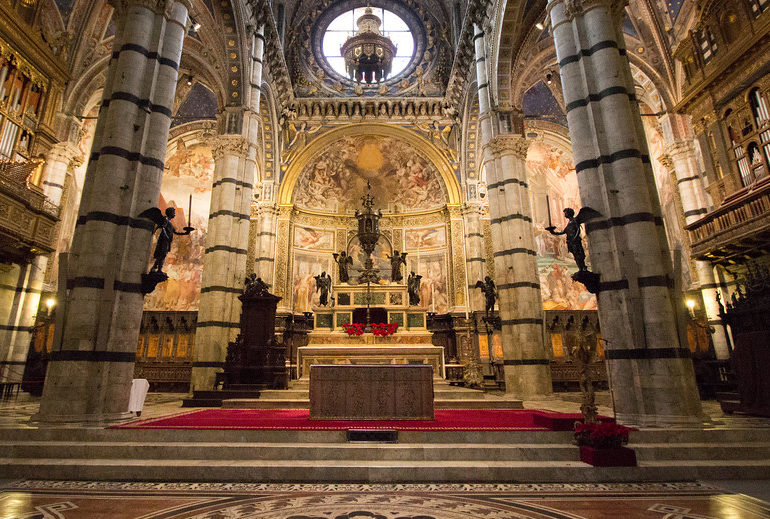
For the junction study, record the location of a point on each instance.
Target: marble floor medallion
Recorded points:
(128, 500)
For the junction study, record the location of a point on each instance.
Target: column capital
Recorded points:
(473, 209)
(576, 8)
(666, 161)
(680, 147)
(66, 152)
(509, 143)
(164, 7)
(228, 144)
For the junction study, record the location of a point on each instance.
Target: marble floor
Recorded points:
(90, 500)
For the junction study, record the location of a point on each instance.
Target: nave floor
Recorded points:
(31, 499)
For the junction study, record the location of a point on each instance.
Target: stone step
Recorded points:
(304, 403)
(290, 451)
(296, 394)
(341, 471)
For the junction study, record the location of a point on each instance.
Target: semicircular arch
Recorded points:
(421, 145)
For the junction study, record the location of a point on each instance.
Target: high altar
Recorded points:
(330, 344)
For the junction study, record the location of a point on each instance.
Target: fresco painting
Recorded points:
(190, 171)
(425, 238)
(402, 180)
(307, 265)
(552, 169)
(313, 239)
(668, 196)
(433, 287)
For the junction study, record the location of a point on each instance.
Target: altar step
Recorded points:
(445, 396)
(325, 456)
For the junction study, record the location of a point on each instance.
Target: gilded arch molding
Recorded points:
(428, 150)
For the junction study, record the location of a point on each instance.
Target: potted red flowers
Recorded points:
(384, 329)
(354, 329)
(601, 444)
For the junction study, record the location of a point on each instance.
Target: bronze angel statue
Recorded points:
(166, 235)
(572, 233)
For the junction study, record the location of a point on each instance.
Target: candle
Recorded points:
(548, 207)
(189, 211)
(432, 297)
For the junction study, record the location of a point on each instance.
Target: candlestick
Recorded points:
(189, 211)
(548, 206)
(432, 297)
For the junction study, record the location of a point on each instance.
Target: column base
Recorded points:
(79, 419)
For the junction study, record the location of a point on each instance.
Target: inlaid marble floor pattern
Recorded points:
(116, 500)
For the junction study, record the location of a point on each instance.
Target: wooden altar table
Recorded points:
(371, 392)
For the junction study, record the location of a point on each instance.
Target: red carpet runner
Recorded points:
(298, 420)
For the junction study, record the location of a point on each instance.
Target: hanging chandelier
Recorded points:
(368, 55)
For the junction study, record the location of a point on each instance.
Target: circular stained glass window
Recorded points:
(344, 26)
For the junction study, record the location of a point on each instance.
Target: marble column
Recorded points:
(651, 373)
(475, 255)
(224, 261)
(526, 362)
(227, 238)
(267, 217)
(689, 183)
(91, 367)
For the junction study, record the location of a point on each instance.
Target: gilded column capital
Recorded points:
(228, 144)
(163, 7)
(65, 152)
(680, 147)
(666, 162)
(575, 8)
(473, 209)
(508, 143)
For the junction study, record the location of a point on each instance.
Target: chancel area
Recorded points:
(476, 221)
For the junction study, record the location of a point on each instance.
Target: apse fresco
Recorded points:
(401, 179)
(425, 238)
(307, 265)
(313, 239)
(190, 171)
(667, 195)
(379, 257)
(433, 285)
(550, 170)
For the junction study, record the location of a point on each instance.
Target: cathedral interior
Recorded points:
(549, 178)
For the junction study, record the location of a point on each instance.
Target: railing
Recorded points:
(742, 215)
(14, 180)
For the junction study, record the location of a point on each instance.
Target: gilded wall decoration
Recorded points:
(402, 180)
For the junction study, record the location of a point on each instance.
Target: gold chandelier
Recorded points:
(368, 55)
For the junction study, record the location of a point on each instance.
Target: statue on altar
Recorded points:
(344, 262)
(395, 265)
(413, 287)
(323, 284)
(489, 290)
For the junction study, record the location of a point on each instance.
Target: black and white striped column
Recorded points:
(526, 362)
(224, 261)
(651, 373)
(227, 237)
(89, 375)
(693, 196)
(475, 254)
(267, 217)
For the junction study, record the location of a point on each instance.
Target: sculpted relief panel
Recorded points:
(402, 180)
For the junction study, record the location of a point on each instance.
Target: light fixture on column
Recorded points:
(691, 305)
(549, 78)
(539, 26)
(189, 81)
(49, 303)
(196, 27)
(368, 55)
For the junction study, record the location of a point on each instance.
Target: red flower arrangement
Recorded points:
(606, 435)
(354, 329)
(383, 329)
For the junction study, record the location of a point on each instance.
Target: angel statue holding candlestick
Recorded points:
(163, 246)
(575, 244)
(395, 265)
(489, 290)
